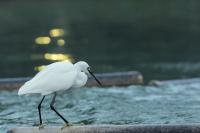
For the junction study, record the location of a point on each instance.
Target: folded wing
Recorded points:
(56, 76)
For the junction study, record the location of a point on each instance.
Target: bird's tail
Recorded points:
(21, 91)
(25, 89)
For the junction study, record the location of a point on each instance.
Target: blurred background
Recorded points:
(159, 38)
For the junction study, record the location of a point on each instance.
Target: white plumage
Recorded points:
(55, 77)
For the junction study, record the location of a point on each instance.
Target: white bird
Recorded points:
(56, 77)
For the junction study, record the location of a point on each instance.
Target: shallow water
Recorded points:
(115, 105)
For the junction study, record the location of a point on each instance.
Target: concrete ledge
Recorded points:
(107, 79)
(174, 82)
(117, 78)
(193, 128)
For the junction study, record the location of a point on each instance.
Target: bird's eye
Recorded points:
(88, 68)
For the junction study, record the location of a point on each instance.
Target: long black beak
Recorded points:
(94, 77)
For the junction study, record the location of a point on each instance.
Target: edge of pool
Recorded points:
(143, 128)
(107, 79)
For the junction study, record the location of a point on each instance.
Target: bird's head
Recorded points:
(84, 67)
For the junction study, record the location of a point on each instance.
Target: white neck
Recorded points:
(77, 65)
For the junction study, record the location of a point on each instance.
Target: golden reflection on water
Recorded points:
(39, 68)
(57, 57)
(43, 40)
(56, 32)
(61, 42)
(55, 37)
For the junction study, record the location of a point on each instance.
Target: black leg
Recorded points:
(39, 110)
(52, 107)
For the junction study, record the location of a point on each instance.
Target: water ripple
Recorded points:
(114, 105)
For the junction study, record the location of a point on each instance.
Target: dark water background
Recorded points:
(159, 38)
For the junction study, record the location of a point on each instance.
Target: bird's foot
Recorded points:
(40, 126)
(66, 125)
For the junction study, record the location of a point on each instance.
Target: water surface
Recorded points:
(115, 105)
(160, 38)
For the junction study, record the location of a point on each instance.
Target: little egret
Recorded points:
(56, 77)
